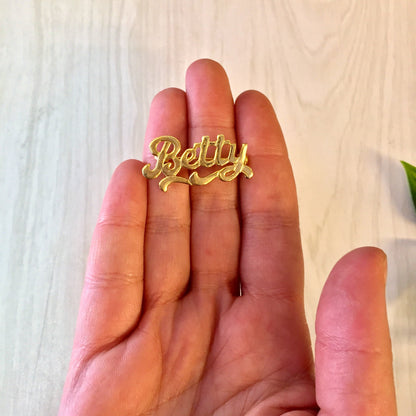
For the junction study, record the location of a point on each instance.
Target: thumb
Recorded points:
(354, 374)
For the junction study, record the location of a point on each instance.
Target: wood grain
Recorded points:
(76, 81)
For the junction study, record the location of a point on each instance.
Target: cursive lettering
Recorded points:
(166, 151)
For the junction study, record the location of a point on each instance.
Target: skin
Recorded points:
(163, 329)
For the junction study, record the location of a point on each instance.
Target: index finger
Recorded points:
(271, 254)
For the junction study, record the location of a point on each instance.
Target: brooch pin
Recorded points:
(166, 150)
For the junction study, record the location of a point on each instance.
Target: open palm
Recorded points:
(193, 298)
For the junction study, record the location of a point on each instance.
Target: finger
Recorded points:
(112, 295)
(354, 373)
(271, 262)
(167, 238)
(215, 219)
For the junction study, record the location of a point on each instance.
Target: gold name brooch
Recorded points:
(166, 150)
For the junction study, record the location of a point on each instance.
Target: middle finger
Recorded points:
(215, 231)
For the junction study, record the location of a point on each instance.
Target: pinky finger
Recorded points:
(112, 295)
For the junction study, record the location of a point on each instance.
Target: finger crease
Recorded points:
(111, 279)
(113, 221)
(268, 220)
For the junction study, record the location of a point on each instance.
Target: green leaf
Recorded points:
(411, 177)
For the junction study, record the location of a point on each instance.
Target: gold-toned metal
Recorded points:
(166, 149)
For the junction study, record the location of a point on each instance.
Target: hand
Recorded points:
(162, 328)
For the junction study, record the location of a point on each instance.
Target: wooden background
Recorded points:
(76, 81)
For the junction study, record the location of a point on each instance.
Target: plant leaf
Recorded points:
(411, 177)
